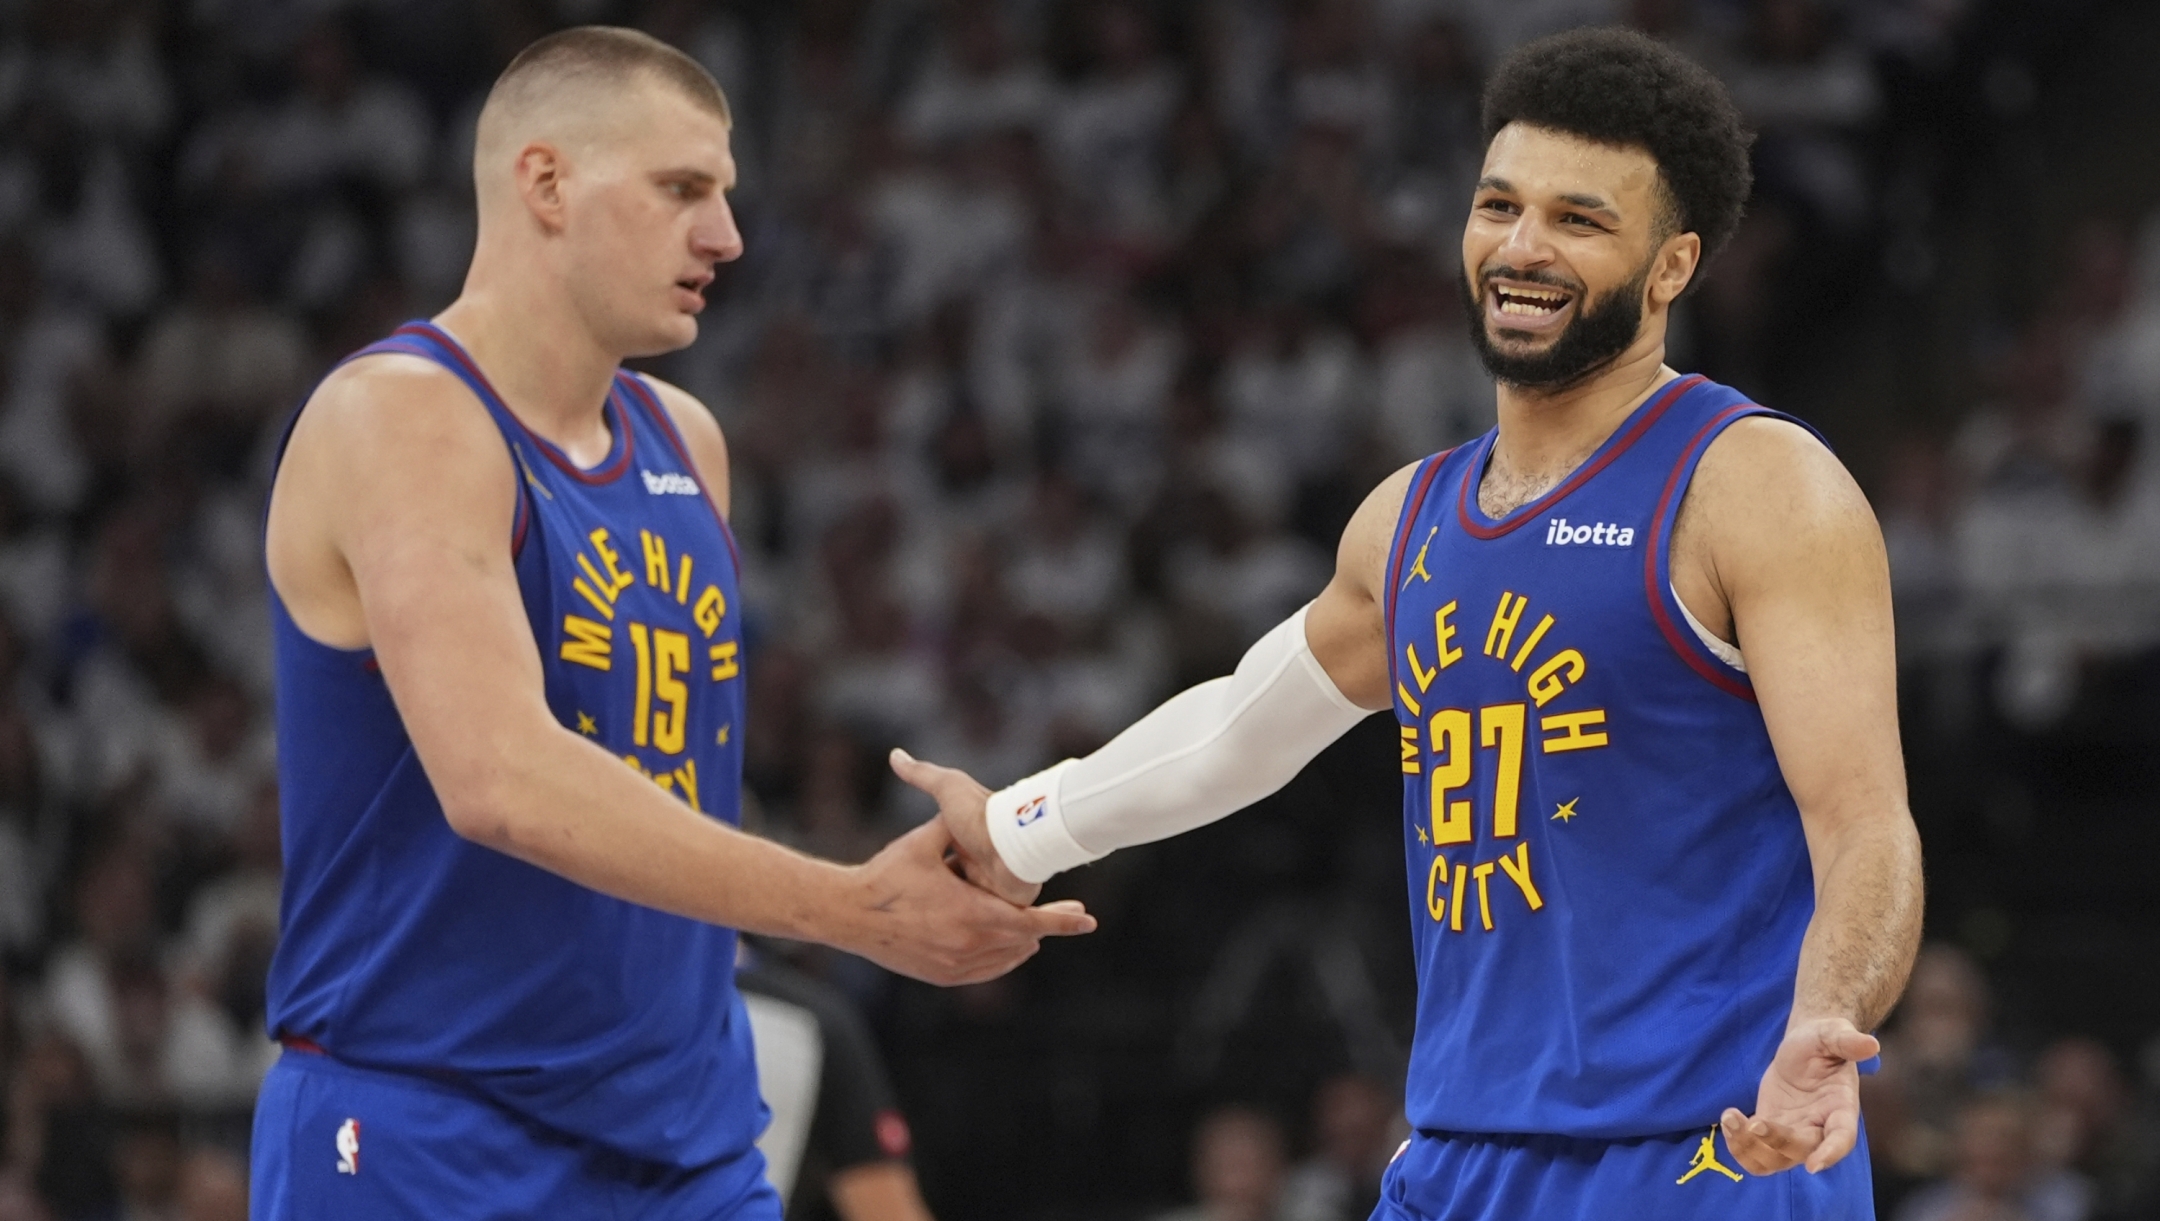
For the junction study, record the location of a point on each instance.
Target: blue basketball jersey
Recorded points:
(408, 948)
(1608, 882)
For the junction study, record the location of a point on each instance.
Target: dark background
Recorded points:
(1067, 336)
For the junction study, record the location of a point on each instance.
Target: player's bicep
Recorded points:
(1346, 628)
(1803, 564)
(425, 527)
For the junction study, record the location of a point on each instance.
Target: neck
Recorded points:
(1543, 430)
(547, 365)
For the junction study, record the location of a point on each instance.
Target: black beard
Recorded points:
(1602, 330)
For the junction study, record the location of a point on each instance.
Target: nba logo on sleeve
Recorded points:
(348, 1147)
(1033, 811)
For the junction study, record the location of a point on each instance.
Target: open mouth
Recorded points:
(694, 286)
(1517, 301)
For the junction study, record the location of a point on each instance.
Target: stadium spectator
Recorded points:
(1996, 1174)
(1357, 1126)
(1238, 1170)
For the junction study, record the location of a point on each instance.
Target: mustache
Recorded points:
(1490, 272)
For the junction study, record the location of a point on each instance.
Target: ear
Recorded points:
(540, 171)
(1676, 262)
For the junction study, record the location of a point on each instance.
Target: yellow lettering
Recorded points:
(1444, 631)
(588, 644)
(1454, 921)
(1403, 693)
(607, 588)
(656, 572)
(1409, 750)
(1573, 737)
(687, 775)
(1517, 868)
(1424, 676)
(1450, 737)
(1502, 631)
(711, 608)
(1484, 903)
(636, 765)
(665, 781)
(1536, 634)
(578, 584)
(671, 656)
(682, 582)
(722, 656)
(1501, 725)
(611, 560)
(1434, 904)
(641, 720)
(1546, 681)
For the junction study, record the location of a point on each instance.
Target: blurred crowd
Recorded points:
(1068, 335)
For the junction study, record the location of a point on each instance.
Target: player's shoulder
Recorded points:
(1362, 555)
(391, 401)
(1768, 491)
(700, 431)
(1770, 467)
(686, 411)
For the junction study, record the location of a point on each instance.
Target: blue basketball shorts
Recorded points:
(1454, 1177)
(337, 1143)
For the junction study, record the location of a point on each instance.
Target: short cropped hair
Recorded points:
(1618, 87)
(610, 55)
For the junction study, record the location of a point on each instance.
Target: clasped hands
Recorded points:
(923, 919)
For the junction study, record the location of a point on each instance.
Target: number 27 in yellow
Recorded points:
(1500, 727)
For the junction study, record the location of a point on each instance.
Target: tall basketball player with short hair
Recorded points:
(509, 653)
(1637, 639)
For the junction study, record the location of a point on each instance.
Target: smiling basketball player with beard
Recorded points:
(1662, 879)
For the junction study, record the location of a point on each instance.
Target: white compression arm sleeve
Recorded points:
(1206, 753)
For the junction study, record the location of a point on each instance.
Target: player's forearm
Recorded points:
(1860, 944)
(1202, 755)
(572, 809)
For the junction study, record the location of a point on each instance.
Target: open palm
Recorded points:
(1808, 1107)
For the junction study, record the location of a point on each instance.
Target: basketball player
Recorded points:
(510, 715)
(1662, 877)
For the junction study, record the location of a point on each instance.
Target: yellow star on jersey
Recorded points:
(1421, 834)
(586, 725)
(720, 739)
(1566, 811)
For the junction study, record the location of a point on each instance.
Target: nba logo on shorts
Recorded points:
(348, 1147)
(1032, 811)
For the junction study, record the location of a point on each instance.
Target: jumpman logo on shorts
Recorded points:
(1706, 1159)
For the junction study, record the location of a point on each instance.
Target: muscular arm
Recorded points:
(1775, 533)
(389, 527)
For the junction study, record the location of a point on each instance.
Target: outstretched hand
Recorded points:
(1808, 1107)
(963, 807)
(920, 920)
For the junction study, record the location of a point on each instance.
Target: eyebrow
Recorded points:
(1588, 203)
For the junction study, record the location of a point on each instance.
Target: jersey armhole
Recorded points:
(1413, 505)
(1674, 621)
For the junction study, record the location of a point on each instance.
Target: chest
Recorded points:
(632, 589)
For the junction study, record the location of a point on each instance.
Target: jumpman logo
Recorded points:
(1706, 1159)
(1417, 566)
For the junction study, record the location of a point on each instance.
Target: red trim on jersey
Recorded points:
(623, 432)
(1690, 649)
(294, 1042)
(1525, 513)
(666, 424)
(1412, 506)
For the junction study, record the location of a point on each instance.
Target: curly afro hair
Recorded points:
(1618, 87)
